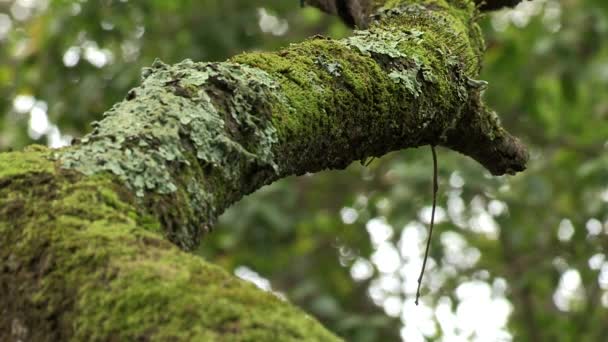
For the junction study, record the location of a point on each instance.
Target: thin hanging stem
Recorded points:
(428, 241)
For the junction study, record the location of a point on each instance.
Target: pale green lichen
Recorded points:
(388, 47)
(380, 41)
(205, 123)
(142, 139)
(333, 68)
(479, 85)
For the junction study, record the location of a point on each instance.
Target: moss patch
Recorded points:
(82, 266)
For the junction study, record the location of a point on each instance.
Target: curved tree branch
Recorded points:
(196, 137)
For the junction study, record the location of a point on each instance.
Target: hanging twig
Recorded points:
(428, 241)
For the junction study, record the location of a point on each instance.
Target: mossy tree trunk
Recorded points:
(94, 238)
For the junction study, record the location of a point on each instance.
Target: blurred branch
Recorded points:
(355, 13)
(492, 5)
(521, 293)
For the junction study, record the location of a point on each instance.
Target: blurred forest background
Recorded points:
(513, 258)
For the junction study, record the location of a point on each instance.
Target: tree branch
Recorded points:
(86, 255)
(199, 136)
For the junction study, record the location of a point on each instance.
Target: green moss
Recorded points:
(28, 161)
(154, 294)
(82, 266)
(331, 91)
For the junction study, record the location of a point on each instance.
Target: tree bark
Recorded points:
(85, 230)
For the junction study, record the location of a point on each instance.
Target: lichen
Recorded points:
(333, 68)
(141, 140)
(209, 121)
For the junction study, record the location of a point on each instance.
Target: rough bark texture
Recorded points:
(83, 230)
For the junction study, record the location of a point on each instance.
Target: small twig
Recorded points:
(428, 241)
(368, 162)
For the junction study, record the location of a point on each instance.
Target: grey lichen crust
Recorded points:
(144, 139)
(384, 44)
(200, 127)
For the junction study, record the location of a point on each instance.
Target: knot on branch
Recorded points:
(480, 136)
